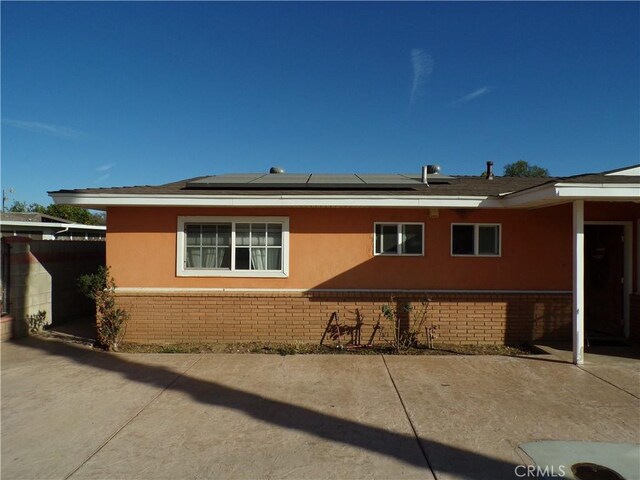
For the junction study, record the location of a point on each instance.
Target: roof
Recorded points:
(401, 185)
(30, 217)
(385, 190)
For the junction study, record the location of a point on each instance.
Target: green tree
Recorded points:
(67, 212)
(522, 168)
(71, 213)
(22, 207)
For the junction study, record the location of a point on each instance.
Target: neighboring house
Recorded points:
(40, 226)
(42, 258)
(269, 257)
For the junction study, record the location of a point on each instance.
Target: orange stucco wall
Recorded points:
(333, 248)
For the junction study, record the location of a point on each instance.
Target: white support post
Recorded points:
(578, 282)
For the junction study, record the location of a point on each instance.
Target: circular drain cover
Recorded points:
(591, 471)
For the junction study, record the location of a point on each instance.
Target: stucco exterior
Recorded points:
(333, 249)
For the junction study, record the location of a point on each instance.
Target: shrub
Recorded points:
(406, 322)
(37, 321)
(111, 321)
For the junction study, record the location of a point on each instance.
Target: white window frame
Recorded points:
(182, 271)
(399, 227)
(476, 240)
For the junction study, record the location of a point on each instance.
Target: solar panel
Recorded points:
(293, 179)
(228, 179)
(385, 179)
(326, 179)
(313, 181)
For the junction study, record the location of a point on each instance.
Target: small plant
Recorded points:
(37, 321)
(110, 320)
(291, 348)
(406, 322)
(431, 335)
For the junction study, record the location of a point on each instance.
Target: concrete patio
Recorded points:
(71, 412)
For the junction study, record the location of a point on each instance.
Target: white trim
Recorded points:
(328, 290)
(399, 225)
(627, 268)
(181, 271)
(76, 226)
(476, 240)
(599, 190)
(279, 200)
(631, 171)
(578, 282)
(550, 193)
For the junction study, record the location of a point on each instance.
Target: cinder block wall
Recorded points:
(43, 277)
(286, 317)
(30, 287)
(6, 327)
(65, 261)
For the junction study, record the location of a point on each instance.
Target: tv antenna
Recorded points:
(5, 197)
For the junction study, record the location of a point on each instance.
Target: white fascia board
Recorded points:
(408, 201)
(619, 191)
(75, 226)
(534, 196)
(631, 171)
(563, 192)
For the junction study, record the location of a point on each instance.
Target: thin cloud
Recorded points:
(102, 178)
(422, 65)
(105, 168)
(44, 128)
(471, 96)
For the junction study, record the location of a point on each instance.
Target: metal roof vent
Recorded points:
(434, 169)
(276, 170)
(429, 170)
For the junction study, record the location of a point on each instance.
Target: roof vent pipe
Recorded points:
(425, 170)
(276, 170)
(490, 174)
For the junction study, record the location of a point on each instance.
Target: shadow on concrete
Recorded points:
(597, 354)
(78, 332)
(541, 357)
(426, 454)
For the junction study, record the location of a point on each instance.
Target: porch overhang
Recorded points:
(551, 194)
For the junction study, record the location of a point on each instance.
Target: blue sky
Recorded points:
(116, 93)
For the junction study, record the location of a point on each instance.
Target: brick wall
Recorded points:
(286, 317)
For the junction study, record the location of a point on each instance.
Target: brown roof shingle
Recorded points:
(457, 186)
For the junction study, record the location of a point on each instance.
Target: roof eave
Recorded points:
(561, 192)
(542, 195)
(52, 225)
(102, 201)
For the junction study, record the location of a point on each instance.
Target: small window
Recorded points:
(475, 239)
(399, 238)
